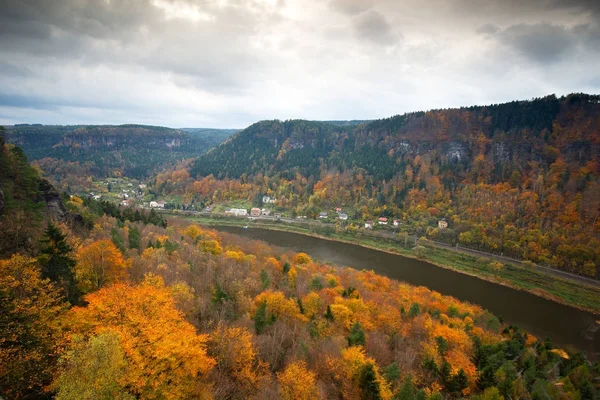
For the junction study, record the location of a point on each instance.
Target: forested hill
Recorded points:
(137, 151)
(520, 178)
(508, 136)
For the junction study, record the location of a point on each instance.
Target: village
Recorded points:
(133, 194)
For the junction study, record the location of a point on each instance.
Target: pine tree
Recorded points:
(260, 318)
(368, 383)
(407, 390)
(56, 261)
(356, 336)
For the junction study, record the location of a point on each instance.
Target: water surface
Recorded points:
(566, 326)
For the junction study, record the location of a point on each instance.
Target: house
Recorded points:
(125, 203)
(96, 197)
(343, 216)
(442, 224)
(255, 212)
(161, 204)
(153, 204)
(142, 186)
(396, 223)
(269, 200)
(265, 212)
(240, 212)
(383, 221)
(338, 210)
(277, 215)
(369, 224)
(323, 215)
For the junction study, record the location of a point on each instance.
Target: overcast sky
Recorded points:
(229, 63)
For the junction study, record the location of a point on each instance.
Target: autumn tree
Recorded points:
(236, 359)
(98, 264)
(164, 355)
(93, 370)
(29, 309)
(297, 382)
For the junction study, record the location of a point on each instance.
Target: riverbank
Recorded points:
(561, 290)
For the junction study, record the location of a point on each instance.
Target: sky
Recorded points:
(230, 63)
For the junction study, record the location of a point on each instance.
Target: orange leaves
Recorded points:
(234, 353)
(98, 264)
(279, 306)
(165, 357)
(358, 374)
(303, 258)
(210, 246)
(29, 309)
(297, 382)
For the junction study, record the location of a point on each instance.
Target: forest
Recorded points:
(521, 179)
(71, 156)
(103, 303)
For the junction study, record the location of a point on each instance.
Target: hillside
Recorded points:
(520, 179)
(66, 153)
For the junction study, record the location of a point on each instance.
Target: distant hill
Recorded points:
(136, 151)
(520, 178)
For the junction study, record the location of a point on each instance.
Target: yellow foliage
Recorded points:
(210, 246)
(303, 258)
(99, 264)
(312, 304)
(235, 355)
(342, 315)
(297, 382)
(279, 305)
(165, 357)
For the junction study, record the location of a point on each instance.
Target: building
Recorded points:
(338, 210)
(323, 215)
(269, 200)
(277, 215)
(396, 223)
(153, 204)
(369, 224)
(255, 212)
(265, 212)
(142, 186)
(125, 203)
(343, 216)
(240, 212)
(442, 224)
(383, 221)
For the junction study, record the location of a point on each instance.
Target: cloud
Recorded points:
(487, 29)
(232, 62)
(541, 43)
(373, 26)
(351, 7)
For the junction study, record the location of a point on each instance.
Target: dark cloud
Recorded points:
(351, 7)
(373, 26)
(541, 43)
(547, 43)
(487, 29)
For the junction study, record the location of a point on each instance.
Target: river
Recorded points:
(566, 326)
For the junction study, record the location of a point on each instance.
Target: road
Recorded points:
(391, 236)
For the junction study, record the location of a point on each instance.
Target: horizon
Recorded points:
(295, 119)
(224, 63)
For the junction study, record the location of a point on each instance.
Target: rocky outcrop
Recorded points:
(55, 207)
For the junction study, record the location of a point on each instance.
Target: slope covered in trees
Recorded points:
(190, 313)
(520, 179)
(135, 151)
(125, 310)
